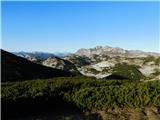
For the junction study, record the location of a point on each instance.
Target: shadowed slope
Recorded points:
(17, 68)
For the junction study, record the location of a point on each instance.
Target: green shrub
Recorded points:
(149, 59)
(157, 61)
(85, 93)
(128, 71)
(80, 60)
(92, 70)
(130, 95)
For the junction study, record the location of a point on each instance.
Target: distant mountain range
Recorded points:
(34, 56)
(98, 50)
(100, 62)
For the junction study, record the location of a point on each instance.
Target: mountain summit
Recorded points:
(113, 51)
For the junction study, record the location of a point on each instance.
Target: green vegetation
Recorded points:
(105, 70)
(157, 61)
(132, 95)
(156, 73)
(149, 59)
(106, 57)
(117, 58)
(85, 93)
(128, 71)
(96, 58)
(80, 60)
(92, 70)
(152, 59)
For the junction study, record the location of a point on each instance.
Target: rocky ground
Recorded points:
(101, 66)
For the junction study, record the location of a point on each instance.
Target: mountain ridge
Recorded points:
(113, 51)
(34, 56)
(98, 50)
(101, 61)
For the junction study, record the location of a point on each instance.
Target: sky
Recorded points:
(68, 26)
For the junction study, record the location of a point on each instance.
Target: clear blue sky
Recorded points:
(68, 26)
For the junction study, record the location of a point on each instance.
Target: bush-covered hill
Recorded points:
(17, 68)
(128, 71)
(84, 93)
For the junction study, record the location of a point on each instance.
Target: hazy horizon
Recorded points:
(68, 26)
(69, 52)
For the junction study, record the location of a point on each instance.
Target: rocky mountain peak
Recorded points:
(113, 51)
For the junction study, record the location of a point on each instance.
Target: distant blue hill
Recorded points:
(40, 55)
